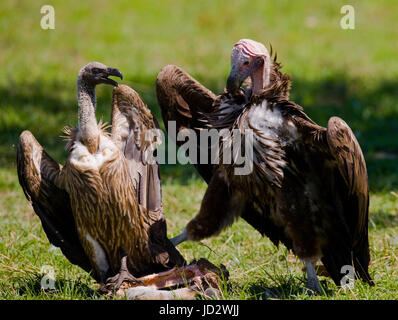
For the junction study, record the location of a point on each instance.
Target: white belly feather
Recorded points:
(272, 132)
(81, 158)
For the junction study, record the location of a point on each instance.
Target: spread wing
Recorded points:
(40, 178)
(135, 131)
(183, 99)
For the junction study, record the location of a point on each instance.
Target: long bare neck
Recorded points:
(88, 132)
(261, 77)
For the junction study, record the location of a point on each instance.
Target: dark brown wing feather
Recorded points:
(183, 99)
(39, 176)
(132, 123)
(350, 161)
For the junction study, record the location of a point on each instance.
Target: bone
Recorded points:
(151, 293)
(200, 276)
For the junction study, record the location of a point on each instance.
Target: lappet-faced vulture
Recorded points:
(103, 207)
(308, 187)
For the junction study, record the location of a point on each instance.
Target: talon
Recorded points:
(124, 275)
(312, 280)
(114, 283)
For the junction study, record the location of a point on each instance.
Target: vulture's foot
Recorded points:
(115, 282)
(313, 287)
(312, 280)
(124, 275)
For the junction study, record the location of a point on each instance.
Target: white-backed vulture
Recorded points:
(103, 207)
(308, 188)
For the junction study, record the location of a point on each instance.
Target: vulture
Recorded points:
(308, 186)
(103, 207)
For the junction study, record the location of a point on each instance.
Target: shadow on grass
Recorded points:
(181, 174)
(370, 109)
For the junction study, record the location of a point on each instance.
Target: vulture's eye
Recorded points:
(246, 63)
(259, 59)
(96, 71)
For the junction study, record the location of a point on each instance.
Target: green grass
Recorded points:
(352, 74)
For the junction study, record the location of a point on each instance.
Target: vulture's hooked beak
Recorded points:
(112, 72)
(233, 81)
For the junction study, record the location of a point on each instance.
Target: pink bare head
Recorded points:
(249, 58)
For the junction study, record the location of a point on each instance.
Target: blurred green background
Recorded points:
(349, 73)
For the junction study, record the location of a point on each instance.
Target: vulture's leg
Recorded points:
(180, 238)
(218, 210)
(123, 275)
(312, 279)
